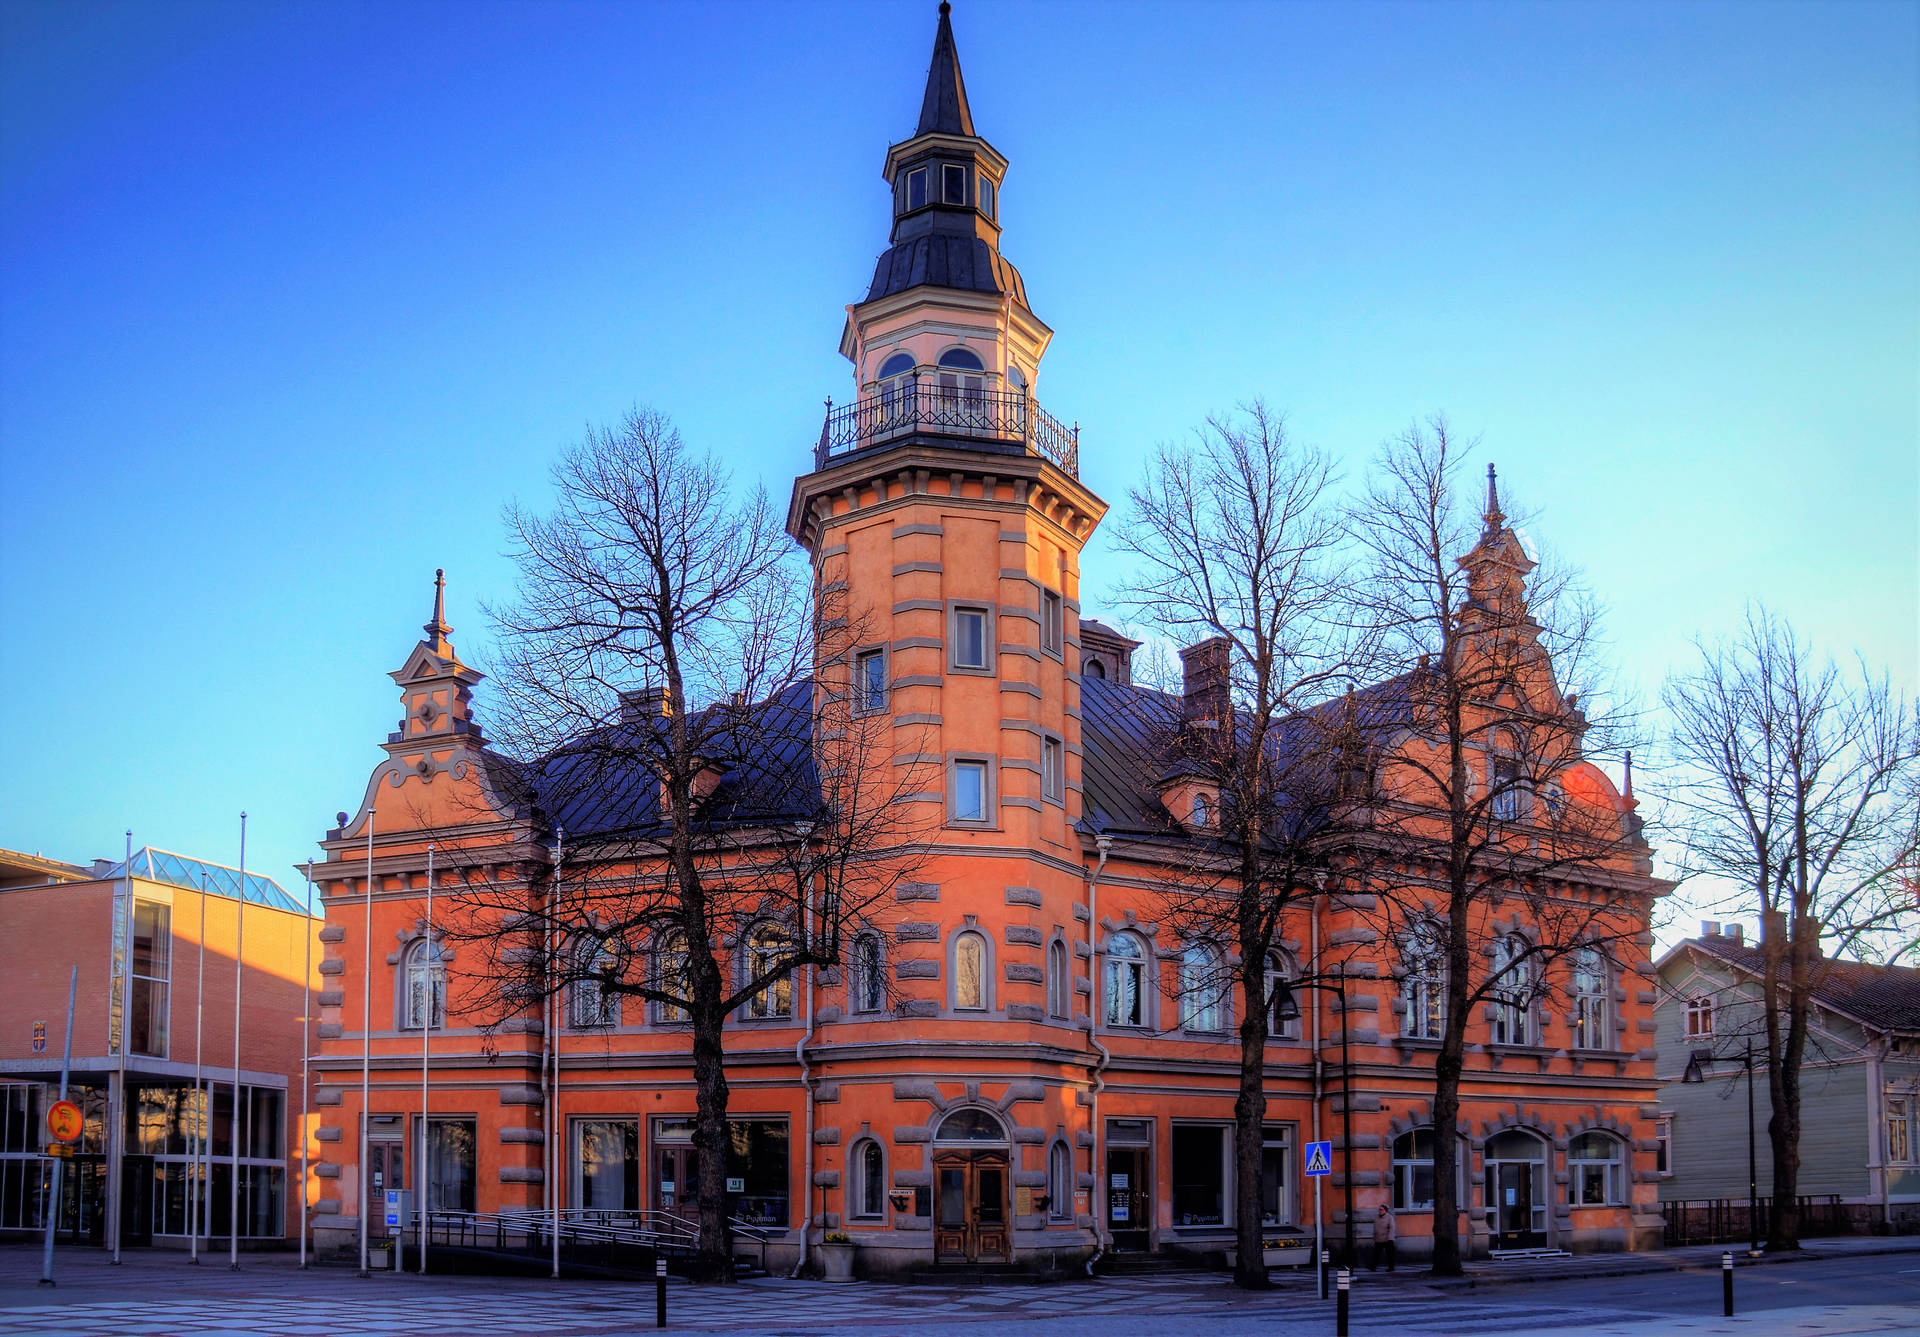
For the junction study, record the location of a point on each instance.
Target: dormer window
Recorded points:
(953, 183)
(917, 188)
(1202, 810)
(986, 195)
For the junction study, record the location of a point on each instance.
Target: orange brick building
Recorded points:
(182, 933)
(1007, 1070)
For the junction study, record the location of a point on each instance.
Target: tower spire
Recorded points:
(437, 629)
(944, 109)
(1495, 517)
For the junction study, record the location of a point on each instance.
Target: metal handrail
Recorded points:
(1000, 417)
(527, 1228)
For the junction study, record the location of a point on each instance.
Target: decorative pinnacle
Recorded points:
(1494, 517)
(438, 628)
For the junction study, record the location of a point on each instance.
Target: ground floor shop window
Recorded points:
(756, 1172)
(1199, 1175)
(23, 1173)
(606, 1160)
(1276, 1189)
(450, 1163)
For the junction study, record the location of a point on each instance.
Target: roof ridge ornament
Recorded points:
(437, 627)
(944, 110)
(1494, 517)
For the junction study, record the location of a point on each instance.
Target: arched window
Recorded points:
(425, 974)
(1059, 1182)
(1059, 981)
(1508, 794)
(962, 389)
(867, 1196)
(1512, 991)
(1597, 1171)
(1590, 997)
(1092, 668)
(670, 975)
(1413, 1171)
(896, 390)
(1203, 982)
(1126, 981)
(589, 1002)
(970, 972)
(1423, 989)
(766, 949)
(970, 1125)
(1202, 810)
(869, 985)
(1284, 1012)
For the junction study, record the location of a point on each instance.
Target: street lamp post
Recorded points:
(1694, 1075)
(1287, 1008)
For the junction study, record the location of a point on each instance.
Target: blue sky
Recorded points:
(293, 297)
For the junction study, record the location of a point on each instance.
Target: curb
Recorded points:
(1650, 1266)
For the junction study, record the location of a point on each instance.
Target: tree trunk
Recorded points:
(1447, 1067)
(713, 1260)
(1249, 1115)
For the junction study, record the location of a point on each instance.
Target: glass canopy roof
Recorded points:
(216, 878)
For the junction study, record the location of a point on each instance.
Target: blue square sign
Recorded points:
(1319, 1158)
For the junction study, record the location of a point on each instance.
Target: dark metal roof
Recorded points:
(944, 110)
(945, 260)
(1884, 997)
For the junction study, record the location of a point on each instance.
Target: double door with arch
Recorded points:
(970, 1207)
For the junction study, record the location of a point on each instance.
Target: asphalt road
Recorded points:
(158, 1294)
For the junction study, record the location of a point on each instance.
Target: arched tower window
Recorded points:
(1126, 981)
(970, 972)
(962, 382)
(1059, 981)
(425, 974)
(869, 984)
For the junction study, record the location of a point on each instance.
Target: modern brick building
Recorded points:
(169, 977)
(1032, 1083)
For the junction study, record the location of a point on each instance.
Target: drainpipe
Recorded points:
(1097, 1199)
(1319, 1081)
(806, 1084)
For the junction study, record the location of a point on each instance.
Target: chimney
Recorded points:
(1733, 932)
(646, 703)
(1709, 928)
(1205, 689)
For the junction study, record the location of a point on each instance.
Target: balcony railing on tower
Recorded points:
(1009, 421)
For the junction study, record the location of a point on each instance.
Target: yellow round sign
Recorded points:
(64, 1121)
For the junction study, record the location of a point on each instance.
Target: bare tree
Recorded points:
(1484, 804)
(1239, 545)
(1800, 790)
(698, 856)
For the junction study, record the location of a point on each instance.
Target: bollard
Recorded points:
(659, 1292)
(1325, 1258)
(1726, 1283)
(1342, 1280)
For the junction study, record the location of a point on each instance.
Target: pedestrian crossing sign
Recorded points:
(1319, 1158)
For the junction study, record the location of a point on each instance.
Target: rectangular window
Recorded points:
(870, 680)
(1663, 1154)
(1199, 1175)
(152, 970)
(606, 1164)
(1699, 1016)
(1053, 770)
(986, 195)
(1050, 632)
(450, 1165)
(917, 188)
(969, 791)
(1899, 1132)
(1276, 1156)
(953, 183)
(970, 628)
(757, 1186)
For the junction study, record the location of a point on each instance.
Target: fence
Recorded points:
(1728, 1220)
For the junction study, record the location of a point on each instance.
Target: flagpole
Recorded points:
(426, 1031)
(366, 1046)
(235, 1123)
(306, 1031)
(202, 1116)
(117, 1099)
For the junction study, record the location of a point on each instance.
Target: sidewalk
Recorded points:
(1697, 1257)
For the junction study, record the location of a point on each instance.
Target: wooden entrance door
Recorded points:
(385, 1169)
(1128, 1198)
(970, 1207)
(1510, 1190)
(676, 1181)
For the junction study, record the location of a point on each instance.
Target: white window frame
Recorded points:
(1899, 1131)
(1699, 1022)
(869, 699)
(1423, 989)
(989, 798)
(1280, 969)
(949, 172)
(775, 1001)
(865, 1181)
(986, 614)
(435, 971)
(1203, 991)
(670, 949)
(159, 988)
(1512, 992)
(1059, 1182)
(1052, 622)
(925, 193)
(1059, 980)
(1609, 1172)
(1053, 768)
(1592, 986)
(1119, 967)
(589, 1007)
(867, 980)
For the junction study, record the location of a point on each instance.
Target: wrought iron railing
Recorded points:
(1007, 419)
